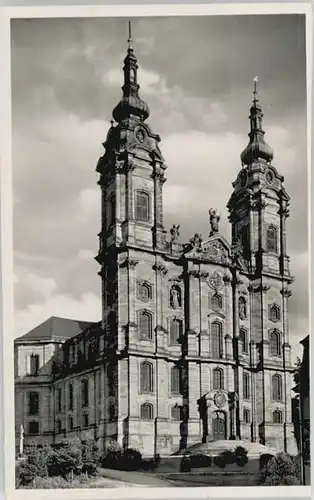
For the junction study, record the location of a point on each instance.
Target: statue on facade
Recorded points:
(196, 242)
(175, 297)
(174, 233)
(242, 308)
(214, 218)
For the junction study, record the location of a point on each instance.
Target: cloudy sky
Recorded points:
(196, 74)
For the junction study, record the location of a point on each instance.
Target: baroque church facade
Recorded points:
(193, 343)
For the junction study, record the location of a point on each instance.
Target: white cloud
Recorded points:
(87, 307)
(90, 201)
(85, 254)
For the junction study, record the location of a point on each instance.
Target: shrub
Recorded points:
(240, 454)
(62, 461)
(28, 472)
(112, 460)
(131, 459)
(185, 464)
(280, 470)
(89, 468)
(232, 438)
(200, 460)
(264, 459)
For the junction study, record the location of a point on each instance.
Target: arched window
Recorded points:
(175, 380)
(246, 416)
(84, 392)
(242, 308)
(85, 420)
(111, 210)
(275, 343)
(59, 399)
(217, 341)
(146, 377)
(33, 427)
(70, 423)
(175, 297)
(274, 313)
(132, 75)
(145, 325)
(112, 412)
(33, 403)
(277, 417)
(246, 386)
(272, 245)
(176, 412)
(34, 364)
(144, 291)
(218, 379)
(58, 426)
(142, 206)
(70, 397)
(175, 330)
(216, 301)
(277, 388)
(147, 411)
(243, 337)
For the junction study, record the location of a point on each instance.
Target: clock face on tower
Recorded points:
(140, 134)
(269, 177)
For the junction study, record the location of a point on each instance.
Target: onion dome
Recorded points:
(131, 104)
(257, 149)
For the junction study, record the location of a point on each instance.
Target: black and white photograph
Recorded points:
(161, 251)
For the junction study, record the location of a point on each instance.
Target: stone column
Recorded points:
(286, 293)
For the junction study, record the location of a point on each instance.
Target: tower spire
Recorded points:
(257, 149)
(131, 105)
(130, 35)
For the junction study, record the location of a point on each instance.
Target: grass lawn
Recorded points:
(191, 479)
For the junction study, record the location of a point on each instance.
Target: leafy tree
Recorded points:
(280, 470)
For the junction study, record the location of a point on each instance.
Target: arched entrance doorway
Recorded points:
(219, 425)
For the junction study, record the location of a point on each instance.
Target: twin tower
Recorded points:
(196, 334)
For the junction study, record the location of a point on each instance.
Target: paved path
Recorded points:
(120, 478)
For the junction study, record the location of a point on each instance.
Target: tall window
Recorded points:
(84, 392)
(244, 340)
(147, 411)
(111, 210)
(146, 377)
(175, 380)
(272, 244)
(58, 426)
(112, 379)
(70, 423)
(175, 330)
(274, 313)
(59, 399)
(33, 427)
(70, 397)
(277, 417)
(275, 343)
(142, 206)
(85, 420)
(216, 301)
(217, 341)
(145, 325)
(144, 291)
(277, 388)
(34, 364)
(246, 386)
(246, 416)
(218, 379)
(33, 403)
(176, 412)
(112, 412)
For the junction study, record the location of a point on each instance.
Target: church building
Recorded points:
(193, 343)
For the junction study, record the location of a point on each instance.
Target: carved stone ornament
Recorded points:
(196, 242)
(215, 281)
(140, 134)
(174, 233)
(215, 250)
(220, 399)
(214, 218)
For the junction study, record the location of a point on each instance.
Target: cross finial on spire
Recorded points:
(130, 35)
(255, 80)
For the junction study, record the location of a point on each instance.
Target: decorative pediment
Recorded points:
(215, 249)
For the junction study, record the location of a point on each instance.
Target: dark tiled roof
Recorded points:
(59, 329)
